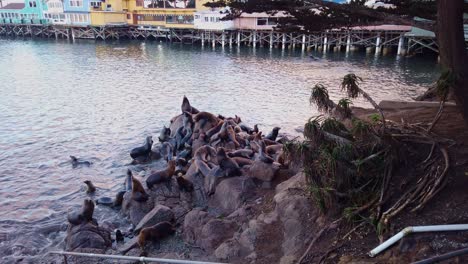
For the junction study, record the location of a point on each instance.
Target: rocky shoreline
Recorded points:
(227, 191)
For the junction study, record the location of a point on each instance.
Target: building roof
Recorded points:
(384, 28)
(419, 32)
(278, 14)
(13, 6)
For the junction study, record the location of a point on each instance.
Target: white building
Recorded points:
(54, 13)
(212, 20)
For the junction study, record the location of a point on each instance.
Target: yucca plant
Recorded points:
(321, 99)
(343, 108)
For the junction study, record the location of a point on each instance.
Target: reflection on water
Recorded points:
(98, 100)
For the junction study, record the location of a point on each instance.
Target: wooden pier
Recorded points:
(376, 41)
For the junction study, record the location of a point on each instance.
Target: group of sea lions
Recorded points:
(203, 144)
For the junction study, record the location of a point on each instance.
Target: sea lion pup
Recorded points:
(186, 107)
(143, 151)
(273, 134)
(119, 199)
(226, 163)
(243, 153)
(162, 175)
(75, 162)
(138, 192)
(155, 233)
(90, 186)
(184, 184)
(241, 161)
(86, 214)
(262, 156)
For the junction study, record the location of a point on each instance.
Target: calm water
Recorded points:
(98, 100)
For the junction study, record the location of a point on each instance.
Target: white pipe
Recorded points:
(141, 259)
(415, 229)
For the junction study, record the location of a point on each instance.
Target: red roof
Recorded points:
(14, 6)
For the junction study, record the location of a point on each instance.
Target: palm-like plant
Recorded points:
(350, 84)
(343, 107)
(321, 99)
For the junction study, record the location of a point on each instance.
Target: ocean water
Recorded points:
(98, 100)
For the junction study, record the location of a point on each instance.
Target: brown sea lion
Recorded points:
(226, 163)
(90, 186)
(207, 120)
(241, 161)
(155, 233)
(143, 151)
(214, 129)
(138, 192)
(162, 175)
(273, 149)
(262, 156)
(232, 136)
(119, 198)
(84, 216)
(186, 107)
(184, 184)
(205, 153)
(244, 153)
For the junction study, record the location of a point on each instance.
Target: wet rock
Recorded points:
(228, 250)
(215, 232)
(135, 210)
(231, 193)
(160, 213)
(89, 236)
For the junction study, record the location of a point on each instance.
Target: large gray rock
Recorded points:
(232, 193)
(228, 250)
(136, 210)
(87, 236)
(159, 214)
(263, 171)
(215, 232)
(193, 225)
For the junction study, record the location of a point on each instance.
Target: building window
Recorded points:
(217, 19)
(76, 3)
(129, 16)
(96, 4)
(262, 21)
(139, 2)
(197, 16)
(206, 19)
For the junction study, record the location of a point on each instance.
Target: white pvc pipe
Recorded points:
(415, 229)
(141, 259)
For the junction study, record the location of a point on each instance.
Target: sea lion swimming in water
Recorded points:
(138, 192)
(90, 186)
(162, 175)
(86, 214)
(143, 151)
(76, 162)
(186, 107)
(273, 134)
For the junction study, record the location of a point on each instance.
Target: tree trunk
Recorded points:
(453, 53)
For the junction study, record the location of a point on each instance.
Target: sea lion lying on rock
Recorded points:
(162, 175)
(138, 192)
(142, 153)
(83, 231)
(226, 163)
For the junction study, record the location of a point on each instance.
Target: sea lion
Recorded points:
(119, 199)
(119, 237)
(128, 181)
(273, 134)
(143, 151)
(184, 184)
(222, 133)
(165, 134)
(205, 153)
(206, 120)
(262, 156)
(255, 130)
(181, 166)
(241, 161)
(232, 136)
(105, 201)
(228, 164)
(90, 186)
(273, 149)
(186, 107)
(76, 162)
(214, 129)
(162, 175)
(86, 214)
(167, 151)
(138, 192)
(155, 233)
(243, 153)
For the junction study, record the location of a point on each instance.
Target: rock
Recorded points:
(231, 193)
(135, 210)
(288, 260)
(249, 236)
(193, 224)
(160, 213)
(263, 171)
(87, 236)
(228, 250)
(215, 232)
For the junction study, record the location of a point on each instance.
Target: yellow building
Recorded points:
(108, 12)
(166, 14)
